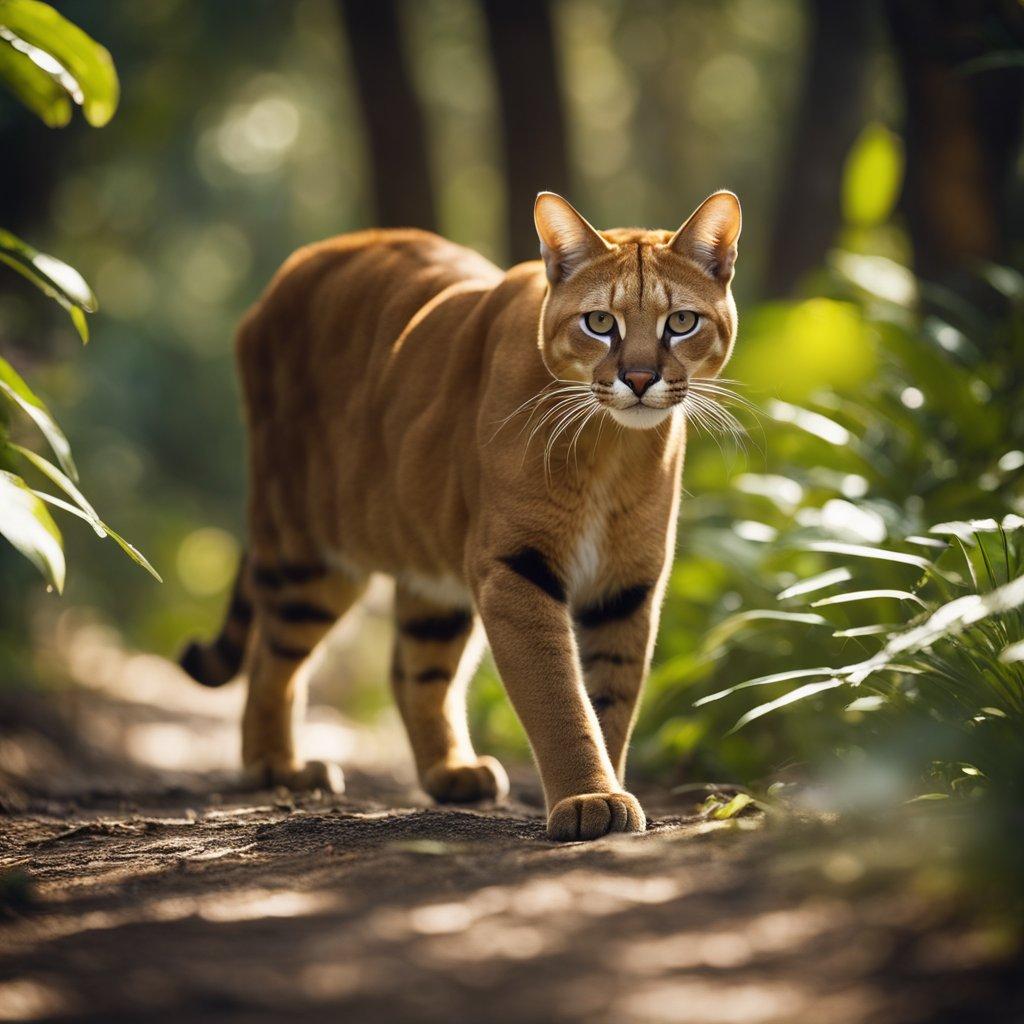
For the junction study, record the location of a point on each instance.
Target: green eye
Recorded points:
(681, 324)
(598, 323)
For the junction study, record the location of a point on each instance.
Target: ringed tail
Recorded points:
(219, 661)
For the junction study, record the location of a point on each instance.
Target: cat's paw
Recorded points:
(266, 774)
(592, 815)
(484, 779)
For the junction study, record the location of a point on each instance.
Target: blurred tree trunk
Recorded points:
(391, 113)
(526, 66)
(830, 115)
(962, 130)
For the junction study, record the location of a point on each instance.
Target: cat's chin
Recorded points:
(640, 417)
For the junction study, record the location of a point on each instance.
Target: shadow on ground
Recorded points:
(132, 897)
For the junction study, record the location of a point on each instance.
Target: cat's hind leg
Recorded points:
(437, 649)
(296, 604)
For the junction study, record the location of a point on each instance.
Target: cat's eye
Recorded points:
(598, 324)
(681, 324)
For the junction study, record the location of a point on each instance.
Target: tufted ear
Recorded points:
(709, 236)
(567, 241)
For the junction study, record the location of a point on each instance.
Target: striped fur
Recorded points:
(415, 411)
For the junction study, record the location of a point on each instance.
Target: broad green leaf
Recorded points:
(734, 623)
(811, 422)
(855, 596)
(800, 693)
(37, 89)
(128, 548)
(14, 387)
(75, 60)
(26, 523)
(863, 551)
(872, 176)
(775, 677)
(60, 282)
(813, 583)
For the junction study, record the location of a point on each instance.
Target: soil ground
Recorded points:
(139, 887)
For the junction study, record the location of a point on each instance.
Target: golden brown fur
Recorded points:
(413, 410)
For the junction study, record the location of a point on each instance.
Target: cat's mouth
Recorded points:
(640, 415)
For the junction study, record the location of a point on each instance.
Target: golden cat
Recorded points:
(413, 410)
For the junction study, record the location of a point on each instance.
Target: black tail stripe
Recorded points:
(602, 702)
(533, 566)
(441, 628)
(613, 607)
(433, 675)
(285, 651)
(303, 611)
(274, 576)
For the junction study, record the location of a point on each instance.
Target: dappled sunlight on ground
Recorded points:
(138, 885)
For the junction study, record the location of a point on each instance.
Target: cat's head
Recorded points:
(637, 315)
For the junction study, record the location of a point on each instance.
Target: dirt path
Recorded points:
(129, 897)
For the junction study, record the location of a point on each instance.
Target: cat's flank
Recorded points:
(508, 447)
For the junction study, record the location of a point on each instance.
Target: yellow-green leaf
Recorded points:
(26, 523)
(872, 177)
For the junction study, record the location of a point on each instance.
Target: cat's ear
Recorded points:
(567, 241)
(709, 237)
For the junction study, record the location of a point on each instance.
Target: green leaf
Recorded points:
(54, 278)
(873, 630)
(36, 88)
(801, 692)
(864, 551)
(83, 68)
(775, 677)
(872, 176)
(128, 548)
(813, 583)
(867, 595)
(734, 808)
(48, 469)
(734, 623)
(15, 388)
(26, 523)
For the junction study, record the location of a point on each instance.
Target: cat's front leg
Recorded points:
(523, 605)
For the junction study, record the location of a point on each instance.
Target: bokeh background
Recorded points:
(876, 149)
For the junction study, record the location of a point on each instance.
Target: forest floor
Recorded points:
(138, 886)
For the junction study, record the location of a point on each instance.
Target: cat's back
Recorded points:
(365, 285)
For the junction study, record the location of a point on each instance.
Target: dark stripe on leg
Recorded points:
(441, 628)
(614, 607)
(285, 651)
(274, 576)
(303, 611)
(602, 703)
(229, 652)
(240, 610)
(433, 675)
(605, 658)
(533, 566)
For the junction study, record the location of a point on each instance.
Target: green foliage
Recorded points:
(48, 63)
(865, 582)
(51, 64)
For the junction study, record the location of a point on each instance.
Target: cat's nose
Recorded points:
(638, 381)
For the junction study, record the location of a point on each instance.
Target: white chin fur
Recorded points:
(640, 417)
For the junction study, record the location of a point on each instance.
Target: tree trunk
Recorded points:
(962, 131)
(526, 66)
(830, 115)
(391, 114)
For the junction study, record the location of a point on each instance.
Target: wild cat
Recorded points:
(509, 447)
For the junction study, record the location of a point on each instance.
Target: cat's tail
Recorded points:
(219, 661)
